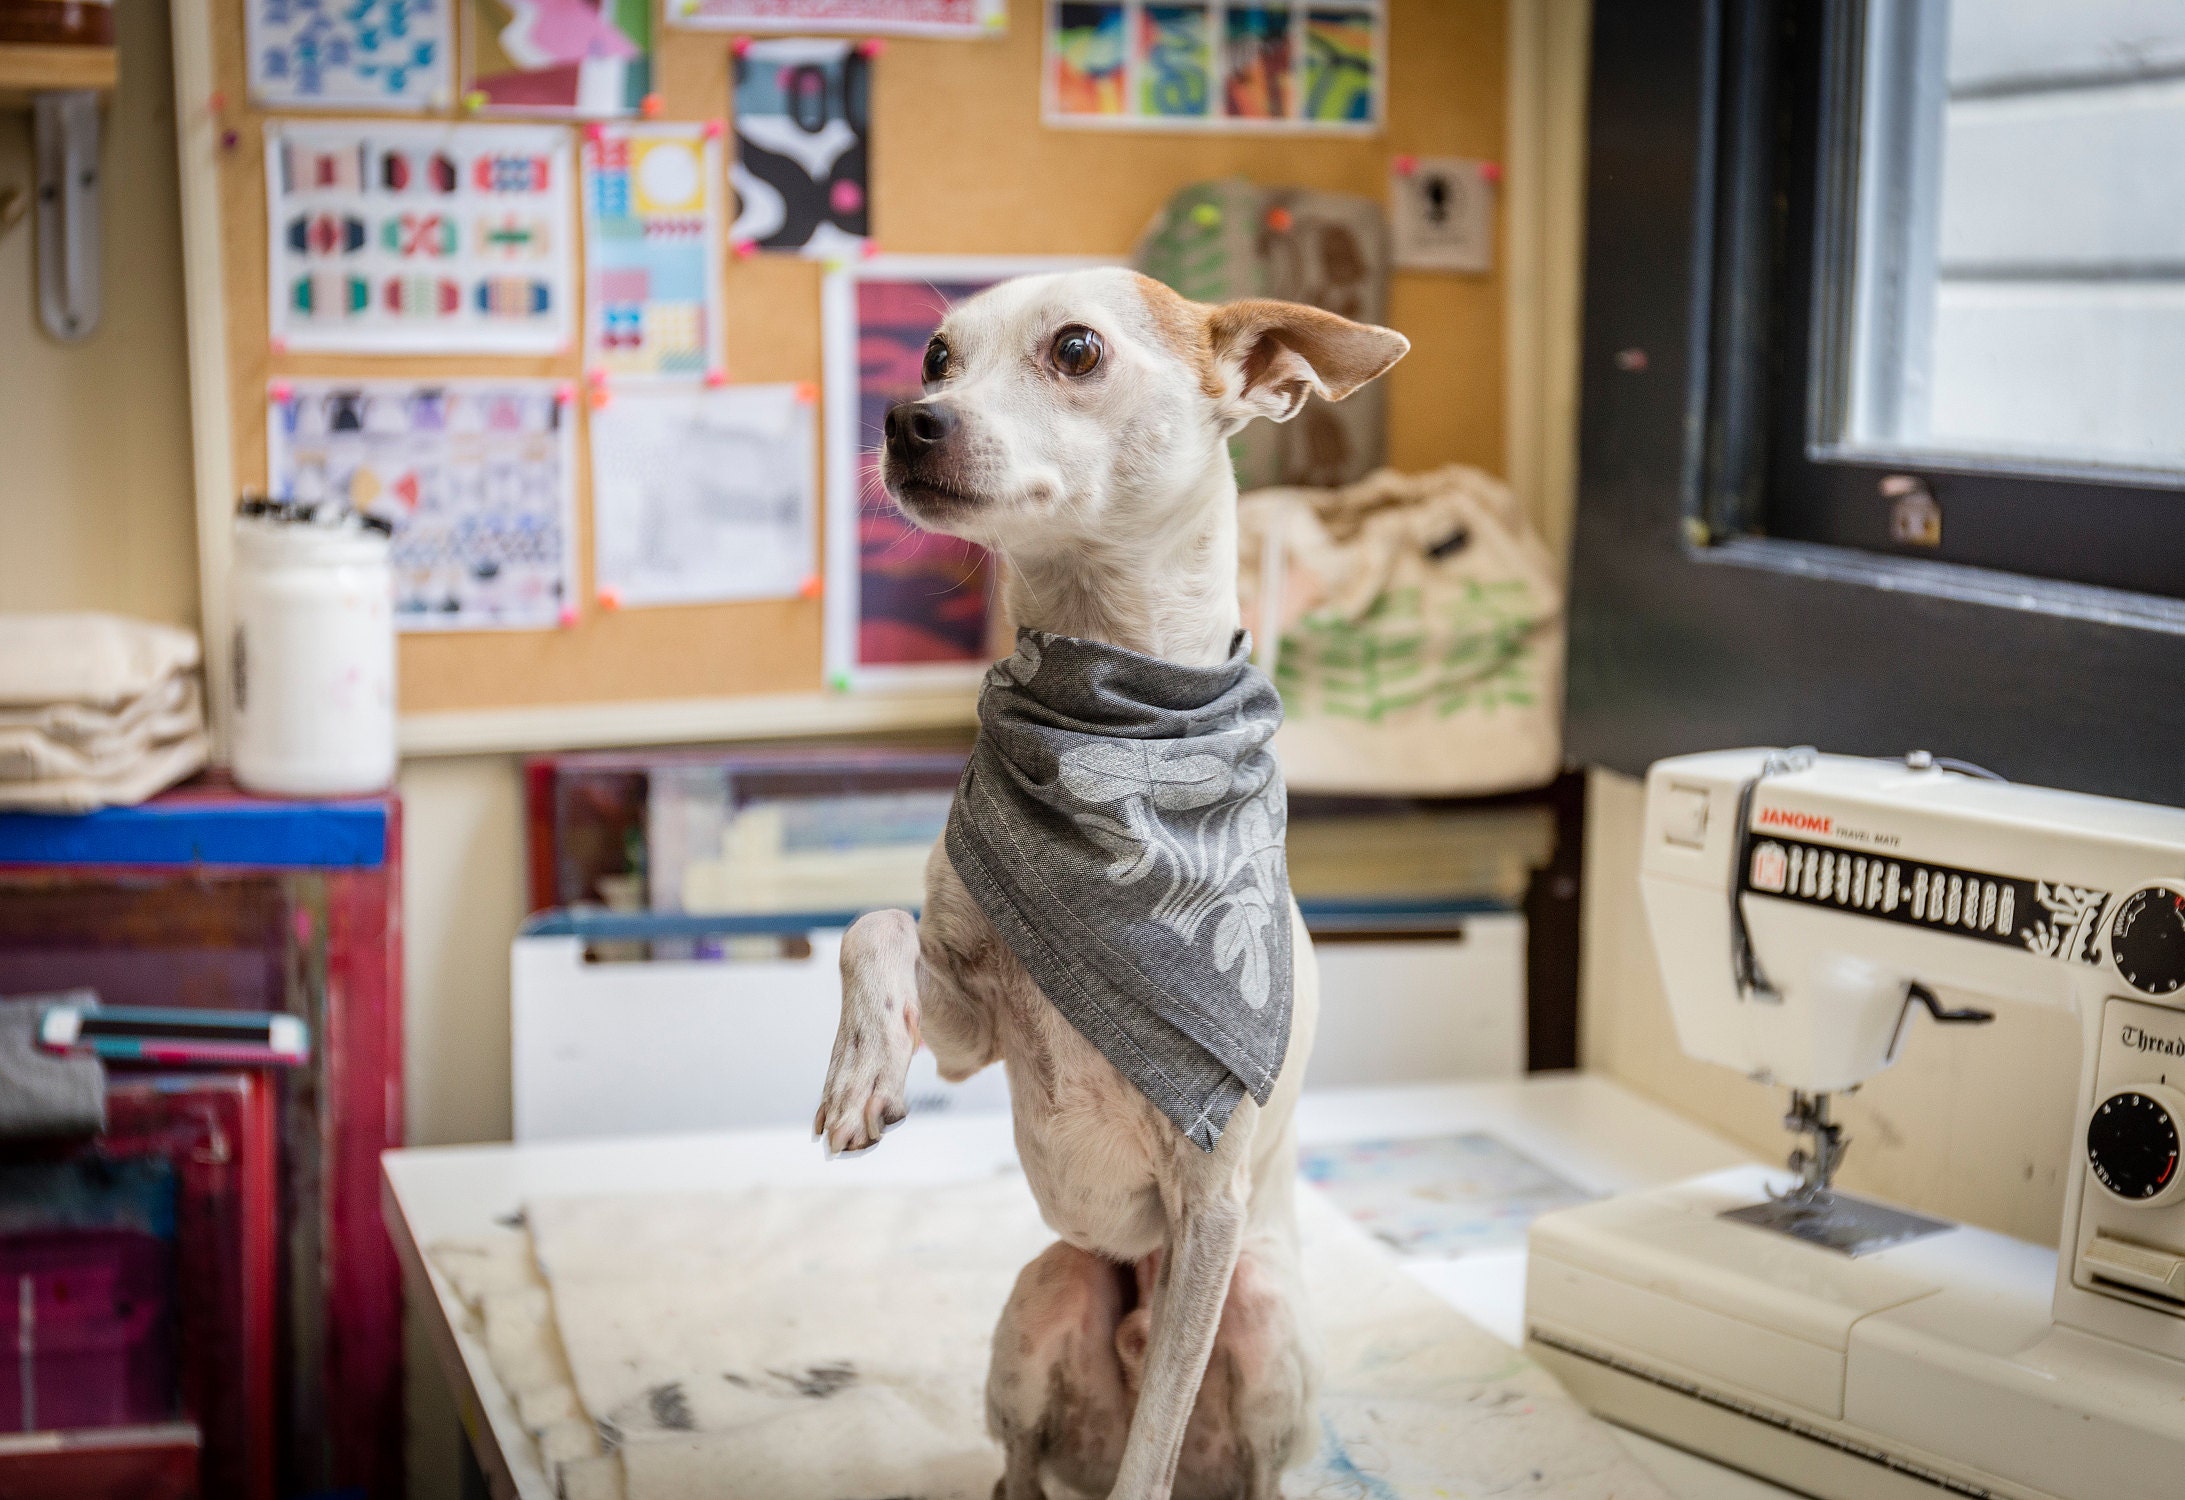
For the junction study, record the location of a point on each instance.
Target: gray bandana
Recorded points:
(1121, 824)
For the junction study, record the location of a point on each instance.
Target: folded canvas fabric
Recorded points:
(817, 1343)
(148, 775)
(168, 710)
(45, 1093)
(95, 710)
(87, 657)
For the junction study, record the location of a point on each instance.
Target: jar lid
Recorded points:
(275, 541)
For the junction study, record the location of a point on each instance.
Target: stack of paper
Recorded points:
(95, 710)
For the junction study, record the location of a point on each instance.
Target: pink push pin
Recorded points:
(741, 46)
(744, 249)
(871, 47)
(869, 249)
(568, 616)
(1490, 172)
(281, 391)
(565, 393)
(1406, 165)
(595, 133)
(716, 376)
(277, 345)
(715, 129)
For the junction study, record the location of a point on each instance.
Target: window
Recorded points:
(1988, 264)
(1882, 390)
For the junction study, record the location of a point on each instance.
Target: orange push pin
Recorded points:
(610, 599)
(652, 106)
(807, 391)
(809, 589)
(1279, 220)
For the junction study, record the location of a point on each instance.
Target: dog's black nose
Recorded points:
(915, 428)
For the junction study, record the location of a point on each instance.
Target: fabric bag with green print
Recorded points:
(1414, 624)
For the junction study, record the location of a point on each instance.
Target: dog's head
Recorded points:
(1085, 404)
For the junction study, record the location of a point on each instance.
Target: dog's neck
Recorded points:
(1169, 592)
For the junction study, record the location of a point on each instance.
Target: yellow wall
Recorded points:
(96, 508)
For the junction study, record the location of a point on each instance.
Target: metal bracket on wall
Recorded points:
(65, 134)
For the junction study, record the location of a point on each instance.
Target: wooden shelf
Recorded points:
(27, 69)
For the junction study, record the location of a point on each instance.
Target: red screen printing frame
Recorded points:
(207, 897)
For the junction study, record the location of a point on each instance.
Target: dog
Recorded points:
(1076, 425)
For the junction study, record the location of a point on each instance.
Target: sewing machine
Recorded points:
(1807, 910)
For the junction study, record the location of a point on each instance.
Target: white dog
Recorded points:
(1077, 425)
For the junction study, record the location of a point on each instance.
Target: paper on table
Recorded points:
(652, 252)
(703, 495)
(351, 54)
(475, 477)
(418, 238)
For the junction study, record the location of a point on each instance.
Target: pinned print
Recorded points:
(803, 126)
(418, 238)
(350, 54)
(473, 476)
(652, 251)
(585, 59)
(1442, 214)
(957, 18)
(1221, 65)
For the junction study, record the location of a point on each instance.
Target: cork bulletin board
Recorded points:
(961, 164)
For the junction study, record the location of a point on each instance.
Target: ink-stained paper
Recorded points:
(802, 133)
(653, 252)
(902, 605)
(582, 59)
(1238, 65)
(956, 18)
(474, 476)
(703, 495)
(423, 239)
(395, 55)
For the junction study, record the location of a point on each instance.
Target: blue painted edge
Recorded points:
(599, 926)
(262, 835)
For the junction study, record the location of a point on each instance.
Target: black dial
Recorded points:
(2147, 940)
(2132, 1144)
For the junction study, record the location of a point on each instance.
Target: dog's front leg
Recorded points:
(1206, 1231)
(892, 999)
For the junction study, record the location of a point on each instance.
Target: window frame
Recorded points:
(2083, 523)
(1689, 630)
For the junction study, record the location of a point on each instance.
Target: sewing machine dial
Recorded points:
(2147, 940)
(2132, 1144)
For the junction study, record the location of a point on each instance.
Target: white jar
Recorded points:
(314, 669)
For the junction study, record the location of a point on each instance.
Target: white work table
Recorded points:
(1591, 1131)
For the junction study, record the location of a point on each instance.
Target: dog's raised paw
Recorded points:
(865, 1089)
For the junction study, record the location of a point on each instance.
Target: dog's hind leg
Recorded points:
(1055, 1398)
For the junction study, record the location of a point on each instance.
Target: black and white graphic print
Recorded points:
(802, 132)
(2049, 917)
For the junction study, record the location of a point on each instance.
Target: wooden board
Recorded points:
(960, 164)
(28, 69)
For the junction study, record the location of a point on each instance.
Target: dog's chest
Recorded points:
(1092, 1146)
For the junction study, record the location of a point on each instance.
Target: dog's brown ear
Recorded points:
(1269, 356)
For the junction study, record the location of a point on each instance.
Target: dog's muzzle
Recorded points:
(915, 429)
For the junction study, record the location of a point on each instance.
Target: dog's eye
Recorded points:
(935, 369)
(1078, 351)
